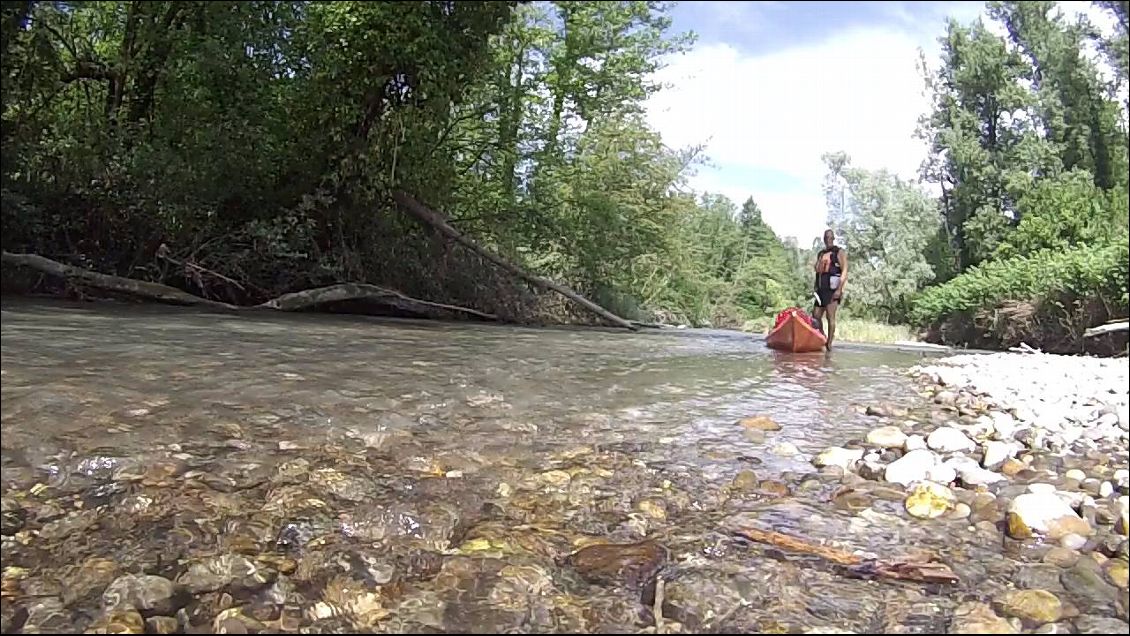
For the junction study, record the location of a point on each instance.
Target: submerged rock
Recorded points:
(929, 500)
(1036, 606)
(633, 565)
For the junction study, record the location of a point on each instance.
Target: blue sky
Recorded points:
(769, 87)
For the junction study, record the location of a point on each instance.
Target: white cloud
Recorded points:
(774, 115)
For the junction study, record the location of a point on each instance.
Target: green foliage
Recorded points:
(1045, 275)
(886, 226)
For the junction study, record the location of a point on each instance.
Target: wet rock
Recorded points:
(225, 571)
(1084, 580)
(887, 437)
(1061, 557)
(760, 423)
(118, 622)
(1100, 625)
(1123, 523)
(161, 625)
(978, 618)
(745, 480)
(872, 470)
(1042, 513)
(697, 597)
(47, 616)
(911, 467)
(1038, 576)
(851, 500)
(12, 517)
(960, 511)
(1035, 606)
(877, 411)
(948, 439)
(929, 500)
(785, 449)
(633, 565)
(773, 488)
(945, 398)
(146, 593)
(835, 456)
(1115, 571)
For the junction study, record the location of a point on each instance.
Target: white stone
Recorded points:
(911, 467)
(1038, 510)
(1041, 489)
(786, 449)
(1075, 474)
(887, 437)
(995, 453)
(948, 439)
(835, 456)
(1073, 542)
(915, 442)
(1106, 489)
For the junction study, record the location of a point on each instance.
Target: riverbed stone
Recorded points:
(1036, 606)
(1123, 523)
(911, 467)
(995, 453)
(929, 500)
(914, 442)
(979, 618)
(1115, 571)
(948, 439)
(1061, 557)
(1041, 513)
(760, 423)
(887, 437)
(633, 565)
(838, 457)
(147, 593)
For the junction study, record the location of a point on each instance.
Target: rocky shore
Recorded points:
(1029, 450)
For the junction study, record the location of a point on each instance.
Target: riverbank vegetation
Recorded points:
(243, 150)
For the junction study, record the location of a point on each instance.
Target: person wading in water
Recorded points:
(831, 276)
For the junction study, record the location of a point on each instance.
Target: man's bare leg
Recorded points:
(818, 314)
(832, 307)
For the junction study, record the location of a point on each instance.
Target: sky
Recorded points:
(769, 87)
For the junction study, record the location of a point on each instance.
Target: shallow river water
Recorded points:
(171, 470)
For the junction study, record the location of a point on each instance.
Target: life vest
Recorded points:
(792, 311)
(828, 262)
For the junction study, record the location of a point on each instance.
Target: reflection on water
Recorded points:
(336, 473)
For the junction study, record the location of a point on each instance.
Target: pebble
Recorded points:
(1043, 513)
(838, 457)
(914, 442)
(1061, 557)
(785, 449)
(152, 594)
(1075, 474)
(911, 467)
(929, 500)
(760, 423)
(887, 437)
(996, 453)
(948, 439)
(1115, 571)
(979, 618)
(633, 565)
(1073, 541)
(1037, 606)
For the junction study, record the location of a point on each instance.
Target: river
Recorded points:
(337, 473)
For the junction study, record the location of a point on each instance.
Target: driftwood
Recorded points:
(1110, 327)
(358, 291)
(434, 220)
(296, 301)
(134, 287)
(919, 572)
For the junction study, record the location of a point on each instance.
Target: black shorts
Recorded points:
(824, 297)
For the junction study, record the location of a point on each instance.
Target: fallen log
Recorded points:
(131, 286)
(1109, 327)
(295, 301)
(855, 565)
(434, 220)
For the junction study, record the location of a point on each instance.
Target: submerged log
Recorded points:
(1110, 327)
(434, 220)
(916, 571)
(296, 301)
